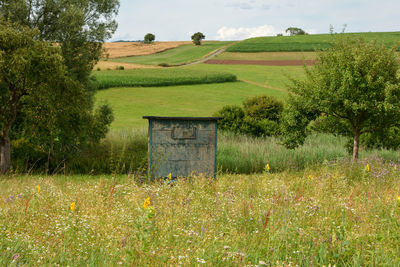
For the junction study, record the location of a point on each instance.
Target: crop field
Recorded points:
(182, 54)
(159, 77)
(338, 214)
(128, 49)
(306, 42)
(267, 56)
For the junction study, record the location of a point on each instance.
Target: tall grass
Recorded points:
(125, 151)
(339, 214)
(158, 77)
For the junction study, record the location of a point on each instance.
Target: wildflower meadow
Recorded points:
(338, 214)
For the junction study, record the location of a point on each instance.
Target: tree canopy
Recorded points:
(197, 37)
(52, 117)
(149, 38)
(353, 89)
(295, 31)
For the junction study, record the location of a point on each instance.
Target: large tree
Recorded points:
(353, 89)
(59, 119)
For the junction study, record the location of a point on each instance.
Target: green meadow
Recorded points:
(130, 104)
(313, 42)
(176, 56)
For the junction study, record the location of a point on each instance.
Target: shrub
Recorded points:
(232, 121)
(263, 107)
(259, 117)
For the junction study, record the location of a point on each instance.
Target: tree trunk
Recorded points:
(5, 154)
(356, 146)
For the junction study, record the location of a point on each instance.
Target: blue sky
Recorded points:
(177, 20)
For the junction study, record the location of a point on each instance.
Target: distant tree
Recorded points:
(197, 37)
(295, 31)
(149, 38)
(354, 89)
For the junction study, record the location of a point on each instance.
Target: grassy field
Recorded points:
(130, 104)
(338, 214)
(159, 77)
(306, 42)
(176, 56)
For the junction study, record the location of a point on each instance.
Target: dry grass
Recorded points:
(105, 65)
(128, 49)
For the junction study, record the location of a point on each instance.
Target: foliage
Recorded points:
(149, 38)
(260, 116)
(307, 218)
(177, 56)
(263, 107)
(313, 42)
(59, 120)
(354, 86)
(232, 118)
(159, 77)
(295, 31)
(197, 37)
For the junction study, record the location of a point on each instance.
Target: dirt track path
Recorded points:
(208, 57)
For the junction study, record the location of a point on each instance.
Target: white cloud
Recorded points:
(230, 33)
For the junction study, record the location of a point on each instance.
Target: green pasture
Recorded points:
(159, 77)
(311, 42)
(176, 56)
(130, 104)
(272, 78)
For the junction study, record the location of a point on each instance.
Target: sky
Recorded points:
(177, 20)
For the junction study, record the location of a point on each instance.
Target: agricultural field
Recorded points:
(267, 56)
(130, 104)
(180, 55)
(129, 49)
(337, 214)
(159, 77)
(312, 42)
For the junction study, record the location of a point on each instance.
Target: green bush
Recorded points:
(232, 121)
(263, 107)
(259, 116)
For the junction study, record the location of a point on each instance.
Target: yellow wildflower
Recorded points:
(367, 168)
(38, 188)
(72, 206)
(146, 203)
(398, 200)
(310, 177)
(170, 176)
(267, 168)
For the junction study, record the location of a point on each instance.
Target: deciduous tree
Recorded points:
(197, 37)
(149, 38)
(60, 119)
(353, 89)
(295, 31)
